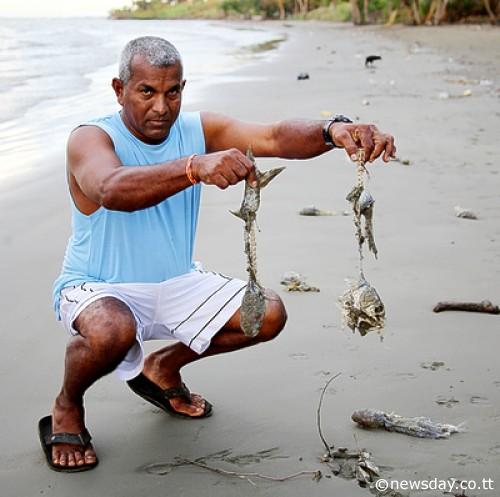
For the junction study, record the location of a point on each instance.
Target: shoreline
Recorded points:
(267, 396)
(476, 50)
(35, 128)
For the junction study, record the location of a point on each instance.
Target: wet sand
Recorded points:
(267, 396)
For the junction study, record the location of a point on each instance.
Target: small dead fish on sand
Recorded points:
(295, 282)
(311, 210)
(433, 365)
(421, 427)
(353, 465)
(362, 308)
(464, 213)
(253, 305)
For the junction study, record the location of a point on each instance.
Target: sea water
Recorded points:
(56, 73)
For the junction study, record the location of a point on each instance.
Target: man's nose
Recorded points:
(160, 106)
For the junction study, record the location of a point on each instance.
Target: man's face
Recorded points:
(151, 99)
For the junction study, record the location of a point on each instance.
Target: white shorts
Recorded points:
(190, 308)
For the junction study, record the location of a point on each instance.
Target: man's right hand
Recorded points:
(224, 168)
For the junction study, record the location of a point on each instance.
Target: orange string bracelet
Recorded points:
(189, 169)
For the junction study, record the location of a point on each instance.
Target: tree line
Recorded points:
(416, 12)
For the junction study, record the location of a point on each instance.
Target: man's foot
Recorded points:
(170, 395)
(68, 418)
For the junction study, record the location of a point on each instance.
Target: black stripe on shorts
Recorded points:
(216, 314)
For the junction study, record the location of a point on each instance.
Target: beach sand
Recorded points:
(266, 397)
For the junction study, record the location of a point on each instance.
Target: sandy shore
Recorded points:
(267, 397)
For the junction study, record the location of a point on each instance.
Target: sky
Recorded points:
(59, 8)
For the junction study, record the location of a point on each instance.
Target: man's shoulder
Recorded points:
(189, 131)
(189, 117)
(108, 119)
(189, 121)
(87, 134)
(99, 126)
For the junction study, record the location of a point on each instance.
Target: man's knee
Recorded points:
(108, 323)
(274, 318)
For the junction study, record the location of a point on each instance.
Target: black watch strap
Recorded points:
(339, 118)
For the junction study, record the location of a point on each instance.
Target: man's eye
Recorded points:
(147, 91)
(174, 92)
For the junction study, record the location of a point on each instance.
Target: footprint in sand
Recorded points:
(465, 459)
(299, 356)
(433, 365)
(442, 401)
(478, 399)
(495, 450)
(409, 376)
(322, 372)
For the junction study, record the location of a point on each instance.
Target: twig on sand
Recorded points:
(318, 417)
(484, 306)
(316, 474)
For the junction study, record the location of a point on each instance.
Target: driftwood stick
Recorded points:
(316, 474)
(485, 306)
(318, 416)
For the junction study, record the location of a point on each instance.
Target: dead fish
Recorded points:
(361, 305)
(295, 282)
(464, 213)
(362, 308)
(251, 197)
(366, 201)
(362, 204)
(253, 305)
(351, 465)
(433, 365)
(314, 211)
(421, 427)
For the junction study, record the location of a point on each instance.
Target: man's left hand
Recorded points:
(352, 137)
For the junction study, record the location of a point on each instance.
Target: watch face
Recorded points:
(341, 119)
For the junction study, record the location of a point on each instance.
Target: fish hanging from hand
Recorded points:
(361, 306)
(253, 305)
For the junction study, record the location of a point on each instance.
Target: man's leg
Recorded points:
(163, 366)
(107, 330)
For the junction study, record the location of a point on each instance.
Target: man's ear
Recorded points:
(118, 87)
(183, 84)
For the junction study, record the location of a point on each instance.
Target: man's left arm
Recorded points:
(295, 139)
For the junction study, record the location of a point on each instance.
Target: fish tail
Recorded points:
(249, 153)
(267, 176)
(237, 214)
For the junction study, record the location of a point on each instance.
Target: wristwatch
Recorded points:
(338, 118)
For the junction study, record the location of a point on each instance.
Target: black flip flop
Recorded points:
(151, 392)
(47, 439)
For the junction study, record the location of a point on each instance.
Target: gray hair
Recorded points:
(157, 51)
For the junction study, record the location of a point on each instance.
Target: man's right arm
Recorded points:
(97, 177)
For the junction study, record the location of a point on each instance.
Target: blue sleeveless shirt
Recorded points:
(145, 246)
